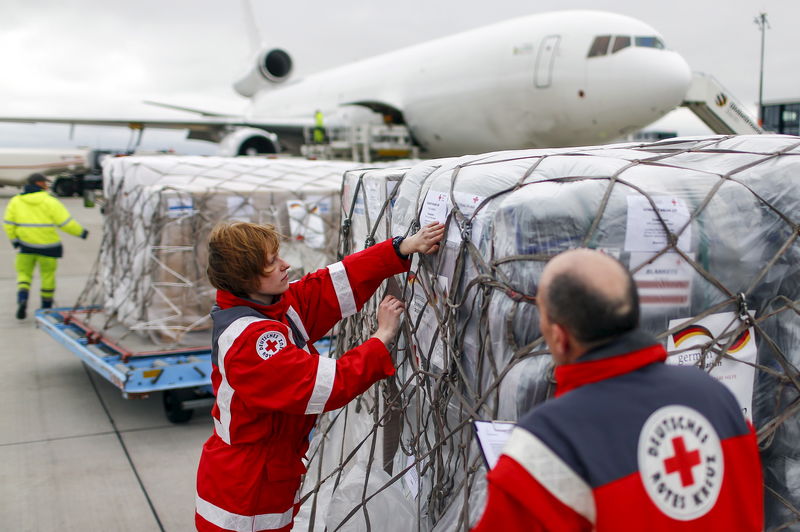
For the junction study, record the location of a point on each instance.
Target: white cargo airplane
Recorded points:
(556, 79)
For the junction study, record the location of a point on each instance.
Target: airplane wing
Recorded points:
(210, 126)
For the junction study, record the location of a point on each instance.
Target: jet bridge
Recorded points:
(718, 108)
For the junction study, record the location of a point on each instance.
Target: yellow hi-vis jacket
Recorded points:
(31, 219)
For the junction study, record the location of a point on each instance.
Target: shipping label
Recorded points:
(684, 347)
(645, 232)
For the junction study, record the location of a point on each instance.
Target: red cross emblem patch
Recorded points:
(270, 343)
(680, 462)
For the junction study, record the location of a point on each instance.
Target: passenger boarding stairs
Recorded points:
(718, 108)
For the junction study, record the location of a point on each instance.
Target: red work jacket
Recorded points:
(270, 383)
(629, 444)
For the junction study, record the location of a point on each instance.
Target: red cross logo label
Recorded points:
(269, 344)
(683, 462)
(680, 462)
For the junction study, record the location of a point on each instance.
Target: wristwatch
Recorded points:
(396, 241)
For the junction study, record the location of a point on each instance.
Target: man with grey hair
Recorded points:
(628, 443)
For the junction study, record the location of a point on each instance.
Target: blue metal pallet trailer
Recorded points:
(183, 375)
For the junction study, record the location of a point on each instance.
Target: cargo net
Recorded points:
(150, 277)
(707, 226)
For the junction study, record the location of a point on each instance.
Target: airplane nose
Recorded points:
(663, 83)
(634, 88)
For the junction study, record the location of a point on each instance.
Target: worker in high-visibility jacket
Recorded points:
(269, 381)
(319, 128)
(30, 221)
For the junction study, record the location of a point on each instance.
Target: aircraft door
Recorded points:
(543, 72)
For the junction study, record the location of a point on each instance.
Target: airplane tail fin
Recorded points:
(253, 32)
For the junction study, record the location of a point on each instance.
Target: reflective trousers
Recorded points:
(25, 264)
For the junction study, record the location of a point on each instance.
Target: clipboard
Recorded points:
(491, 437)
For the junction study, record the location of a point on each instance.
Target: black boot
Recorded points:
(22, 304)
(47, 303)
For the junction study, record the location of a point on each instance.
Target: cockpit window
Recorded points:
(601, 42)
(600, 46)
(650, 42)
(620, 42)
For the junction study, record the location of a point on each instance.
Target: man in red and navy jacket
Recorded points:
(269, 381)
(629, 443)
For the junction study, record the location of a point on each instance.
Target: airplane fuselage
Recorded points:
(527, 82)
(557, 79)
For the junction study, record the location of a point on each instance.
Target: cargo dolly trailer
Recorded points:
(182, 374)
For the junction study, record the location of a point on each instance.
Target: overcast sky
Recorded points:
(92, 58)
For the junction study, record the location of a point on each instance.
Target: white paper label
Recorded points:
(434, 208)
(734, 374)
(467, 203)
(390, 186)
(426, 326)
(665, 282)
(411, 478)
(178, 207)
(372, 191)
(645, 232)
(492, 437)
(358, 208)
(306, 224)
(323, 204)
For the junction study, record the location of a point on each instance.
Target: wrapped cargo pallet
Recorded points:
(707, 226)
(160, 210)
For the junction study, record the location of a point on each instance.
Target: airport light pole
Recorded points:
(762, 23)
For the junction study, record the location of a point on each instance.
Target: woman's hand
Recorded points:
(389, 312)
(426, 240)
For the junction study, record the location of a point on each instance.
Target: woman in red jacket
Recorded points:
(269, 381)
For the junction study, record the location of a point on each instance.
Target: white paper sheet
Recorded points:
(306, 224)
(178, 207)
(734, 374)
(665, 282)
(467, 203)
(411, 478)
(492, 437)
(645, 232)
(372, 190)
(434, 208)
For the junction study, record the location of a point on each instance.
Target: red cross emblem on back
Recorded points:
(682, 462)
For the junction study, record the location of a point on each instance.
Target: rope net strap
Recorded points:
(149, 282)
(708, 229)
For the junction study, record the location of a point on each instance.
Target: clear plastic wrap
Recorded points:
(708, 227)
(160, 209)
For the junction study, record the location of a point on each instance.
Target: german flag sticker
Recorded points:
(740, 342)
(691, 331)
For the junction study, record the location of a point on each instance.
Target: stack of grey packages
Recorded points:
(160, 210)
(706, 225)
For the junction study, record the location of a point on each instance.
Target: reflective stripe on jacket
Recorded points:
(32, 219)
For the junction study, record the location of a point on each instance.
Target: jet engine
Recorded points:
(248, 141)
(271, 67)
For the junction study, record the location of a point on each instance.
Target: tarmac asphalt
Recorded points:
(74, 454)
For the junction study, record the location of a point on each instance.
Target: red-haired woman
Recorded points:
(269, 381)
